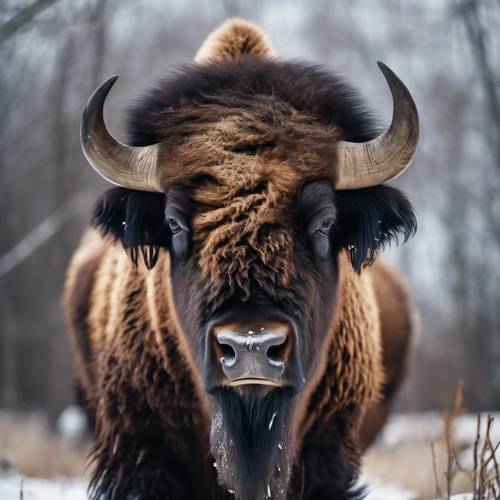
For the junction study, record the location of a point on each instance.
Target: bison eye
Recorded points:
(178, 224)
(322, 224)
(326, 225)
(174, 226)
(319, 232)
(178, 210)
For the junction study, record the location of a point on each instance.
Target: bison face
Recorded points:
(257, 303)
(255, 294)
(255, 299)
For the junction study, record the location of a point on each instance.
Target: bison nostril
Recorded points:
(227, 354)
(276, 354)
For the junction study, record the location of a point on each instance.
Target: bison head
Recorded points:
(256, 176)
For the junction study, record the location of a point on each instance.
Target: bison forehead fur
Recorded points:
(247, 145)
(244, 135)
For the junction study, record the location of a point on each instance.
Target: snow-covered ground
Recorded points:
(428, 426)
(65, 489)
(378, 490)
(13, 487)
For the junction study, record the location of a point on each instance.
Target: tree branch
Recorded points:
(478, 36)
(44, 231)
(23, 17)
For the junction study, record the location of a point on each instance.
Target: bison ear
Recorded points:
(368, 219)
(134, 218)
(232, 40)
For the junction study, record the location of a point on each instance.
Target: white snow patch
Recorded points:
(403, 428)
(41, 489)
(72, 423)
(466, 427)
(69, 489)
(428, 426)
(378, 490)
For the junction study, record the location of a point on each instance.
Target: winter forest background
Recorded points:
(53, 54)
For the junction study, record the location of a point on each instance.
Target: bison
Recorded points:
(232, 338)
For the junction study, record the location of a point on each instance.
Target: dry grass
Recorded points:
(485, 473)
(27, 446)
(433, 469)
(410, 465)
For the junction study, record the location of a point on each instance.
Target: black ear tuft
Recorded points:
(370, 218)
(136, 218)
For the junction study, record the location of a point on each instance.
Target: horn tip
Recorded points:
(104, 88)
(111, 80)
(388, 73)
(94, 105)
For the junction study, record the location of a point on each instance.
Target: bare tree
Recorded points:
(22, 18)
(481, 20)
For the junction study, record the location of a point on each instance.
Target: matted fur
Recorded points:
(242, 133)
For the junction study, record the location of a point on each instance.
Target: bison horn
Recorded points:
(126, 166)
(364, 164)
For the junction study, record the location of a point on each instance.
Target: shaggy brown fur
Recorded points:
(243, 156)
(234, 39)
(398, 324)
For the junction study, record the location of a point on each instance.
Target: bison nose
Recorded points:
(253, 355)
(268, 346)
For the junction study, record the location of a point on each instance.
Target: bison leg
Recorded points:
(329, 463)
(154, 463)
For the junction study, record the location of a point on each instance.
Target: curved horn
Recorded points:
(364, 164)
(126, 166)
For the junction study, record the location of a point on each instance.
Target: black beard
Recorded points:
(251, 443)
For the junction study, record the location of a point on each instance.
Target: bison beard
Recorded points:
(250, 442)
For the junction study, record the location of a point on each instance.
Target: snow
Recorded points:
(408, 427)
(41, 489)
(378, 490)
(72, 423)
(403, 428)
(466, 426)
(71, 489)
